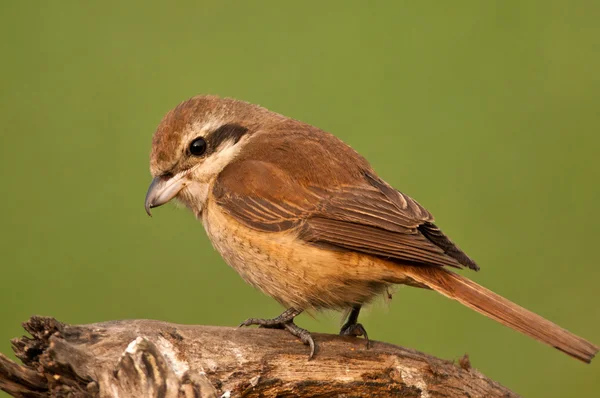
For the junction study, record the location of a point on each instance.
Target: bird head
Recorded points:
(194, 142)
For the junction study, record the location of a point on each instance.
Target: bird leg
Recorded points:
(352, 327)
(285, 321)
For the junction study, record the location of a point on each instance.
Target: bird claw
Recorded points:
(304, 336)
(247, 322)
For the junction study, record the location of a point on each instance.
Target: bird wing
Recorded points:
(369, 217)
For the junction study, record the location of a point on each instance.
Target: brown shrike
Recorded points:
(304, 218)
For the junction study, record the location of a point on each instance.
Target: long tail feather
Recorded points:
(502, 310)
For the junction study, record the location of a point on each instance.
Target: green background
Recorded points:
(488, 113)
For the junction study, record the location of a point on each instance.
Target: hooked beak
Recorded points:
(162, 190)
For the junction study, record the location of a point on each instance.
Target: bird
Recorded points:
(305, 219)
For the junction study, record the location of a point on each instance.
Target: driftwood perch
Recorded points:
(140, 358)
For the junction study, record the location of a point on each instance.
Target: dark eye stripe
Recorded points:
(232, 132)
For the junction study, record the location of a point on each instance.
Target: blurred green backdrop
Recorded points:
(488, 113)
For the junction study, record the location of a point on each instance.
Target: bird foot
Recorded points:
(355, 329)
(263, 323)
(285, 321)
(275, 323)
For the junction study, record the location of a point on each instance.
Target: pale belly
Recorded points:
(293, 272)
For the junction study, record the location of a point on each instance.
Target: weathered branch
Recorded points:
(140, 358)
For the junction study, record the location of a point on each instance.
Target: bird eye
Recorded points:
(198, 147)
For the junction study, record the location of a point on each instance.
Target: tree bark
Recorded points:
(141, 358)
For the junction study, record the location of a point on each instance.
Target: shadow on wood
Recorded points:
(141, 358)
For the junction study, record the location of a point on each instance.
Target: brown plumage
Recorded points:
(305, 219)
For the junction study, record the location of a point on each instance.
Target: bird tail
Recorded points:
(502, 310)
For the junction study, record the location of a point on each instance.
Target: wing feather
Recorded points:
(369, 217)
